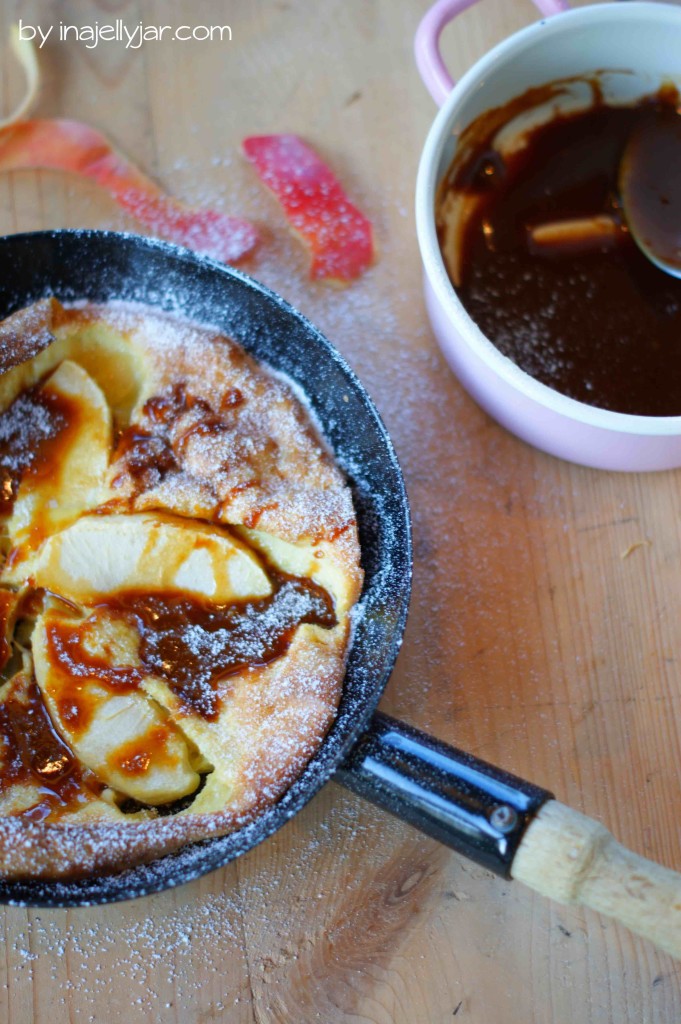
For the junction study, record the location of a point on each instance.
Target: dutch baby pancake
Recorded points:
(181, 564)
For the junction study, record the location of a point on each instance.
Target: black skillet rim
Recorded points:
(354, 714)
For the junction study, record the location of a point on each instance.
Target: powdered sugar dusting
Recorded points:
(193, 954)
(22, 427)
(175, 954)
(24, 334)
(255, 632)
(242, 444)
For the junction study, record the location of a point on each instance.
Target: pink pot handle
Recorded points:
(437, 79)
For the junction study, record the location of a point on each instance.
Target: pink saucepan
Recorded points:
(633, 48)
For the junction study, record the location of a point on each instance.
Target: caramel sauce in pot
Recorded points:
(585, 313)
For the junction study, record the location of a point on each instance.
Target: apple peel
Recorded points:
(72, 146)
(338, 235)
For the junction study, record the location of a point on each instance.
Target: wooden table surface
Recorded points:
(544, 631)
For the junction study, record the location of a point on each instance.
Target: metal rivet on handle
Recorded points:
(503, 818)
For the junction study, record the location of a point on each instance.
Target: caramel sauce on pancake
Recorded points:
(33, 752)
(7, 605)
(191, 644)
(33, 432)
(147, 455)
(134, 757)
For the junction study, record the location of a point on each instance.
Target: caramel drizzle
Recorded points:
(189, 643)
(33, 432)
(34, 753)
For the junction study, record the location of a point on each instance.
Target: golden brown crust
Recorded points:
(26, 333)
(240, 450)
(266, 439)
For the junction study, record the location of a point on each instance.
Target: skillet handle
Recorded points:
(478, 810)
(513, 828)
(573, 859)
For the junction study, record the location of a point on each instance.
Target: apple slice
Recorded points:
(61, 471)
(101, 555)
(123, 736)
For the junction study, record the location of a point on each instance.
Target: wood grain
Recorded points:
(541, 637)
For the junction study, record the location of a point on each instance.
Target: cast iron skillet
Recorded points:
(426, 782)
(505, 824)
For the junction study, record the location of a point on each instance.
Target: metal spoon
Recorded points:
(650, 188)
